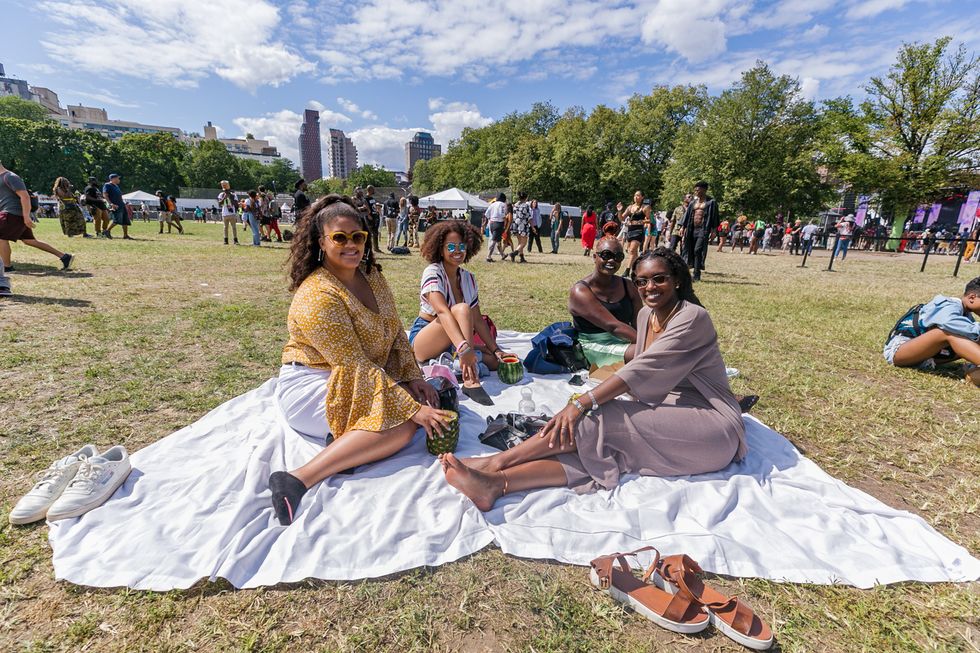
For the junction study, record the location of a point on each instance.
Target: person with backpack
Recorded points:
(939, 332)
(227, 201)
(16, 223)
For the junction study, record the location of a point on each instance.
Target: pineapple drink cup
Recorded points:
(445, 443)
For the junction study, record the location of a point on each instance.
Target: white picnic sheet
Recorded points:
(197, 506)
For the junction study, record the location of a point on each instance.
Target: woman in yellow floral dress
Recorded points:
(347, 370)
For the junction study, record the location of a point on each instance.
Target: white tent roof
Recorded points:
(453, 198)
(139, 196)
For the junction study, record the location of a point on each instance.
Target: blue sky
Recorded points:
(382, 69)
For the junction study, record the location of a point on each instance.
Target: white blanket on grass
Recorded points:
(197, 506)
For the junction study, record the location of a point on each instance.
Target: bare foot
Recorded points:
(481, 488)
(486, 464)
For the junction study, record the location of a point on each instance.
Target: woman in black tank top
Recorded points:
(604, 307)
(635, 216)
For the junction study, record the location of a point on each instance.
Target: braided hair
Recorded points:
(305, 255)
(678, 270)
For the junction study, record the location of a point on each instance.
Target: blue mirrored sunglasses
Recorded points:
(452, 248)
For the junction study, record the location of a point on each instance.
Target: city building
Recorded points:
(47, 99)
(310, 160)
(255, 149)
(343, 155)
(13, 86)
(77, 116)
(421, 148)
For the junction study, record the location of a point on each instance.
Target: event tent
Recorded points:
(139, 196)
(453, 198)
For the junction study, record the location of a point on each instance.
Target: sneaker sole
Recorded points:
(81, 510)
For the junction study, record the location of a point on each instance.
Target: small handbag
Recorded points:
(437, 368)
(507, 431)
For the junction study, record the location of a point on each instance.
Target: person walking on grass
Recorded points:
(97, 207)
(69, 212)
(845, 229)
(250, 214)
(521, 225)
(16, 223)
(700, 219)
(495, 216)
(227, 201)
(117, 207)
(174, 215)
(555, 227)
(535, 236)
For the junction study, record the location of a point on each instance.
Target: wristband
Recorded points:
(578, 406)
(595, 404)
(463, 348)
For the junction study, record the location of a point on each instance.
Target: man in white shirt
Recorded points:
(495, 215)
(807, 235)
(229, 210)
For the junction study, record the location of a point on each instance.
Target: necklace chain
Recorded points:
(655, 323)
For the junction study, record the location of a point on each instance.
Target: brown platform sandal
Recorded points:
(733, 618)
(673, 612)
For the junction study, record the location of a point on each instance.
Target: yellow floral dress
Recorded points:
(367, 353)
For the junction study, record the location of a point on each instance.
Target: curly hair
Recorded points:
(678, 270)
(305, 254)
(435, 238)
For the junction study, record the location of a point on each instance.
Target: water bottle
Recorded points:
(526, 405)
(731, 372)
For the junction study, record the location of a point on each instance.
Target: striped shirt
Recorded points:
(434, 279)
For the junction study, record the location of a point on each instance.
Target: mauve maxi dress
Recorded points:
(685, 419)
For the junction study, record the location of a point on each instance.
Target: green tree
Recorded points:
(756, 144)
(917, 132)
(370, 175)
(42, 151)
(208, 163)
(321, 187)
(281, 174)
(151, 162)
(12, 106)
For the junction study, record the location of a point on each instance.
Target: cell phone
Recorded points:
(577, 379)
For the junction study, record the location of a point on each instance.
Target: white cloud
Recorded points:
(173, 42)
(870, 8)
(104, 97)
(350, 107)
(696, 31)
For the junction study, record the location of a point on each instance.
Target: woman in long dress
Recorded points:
(684, 420)
(69, 212)
(589, 220)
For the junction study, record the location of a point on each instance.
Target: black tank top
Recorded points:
(621, 310)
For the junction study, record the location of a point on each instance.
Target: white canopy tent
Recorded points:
(453, 198)
(139, 196)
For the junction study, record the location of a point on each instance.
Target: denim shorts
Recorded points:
(891, 347)
(417, 326)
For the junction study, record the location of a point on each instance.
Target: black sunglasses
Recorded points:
(607, 255)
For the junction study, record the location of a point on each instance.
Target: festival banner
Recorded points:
(934, 214)
(920, 215)
(862, 210)
(969, 209)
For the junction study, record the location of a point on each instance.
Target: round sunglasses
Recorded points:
(340, 238)
(452, 248)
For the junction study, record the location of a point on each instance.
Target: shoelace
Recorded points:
(87, 473)
(51, 474)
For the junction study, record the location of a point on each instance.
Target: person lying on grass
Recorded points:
(347, 369)
(449, 309)
(685, 419)
(942, 331)
(604, 306)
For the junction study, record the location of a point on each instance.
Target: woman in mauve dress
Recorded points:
(684, 420)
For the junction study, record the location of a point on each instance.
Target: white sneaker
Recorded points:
(97, 478)
(34, 505)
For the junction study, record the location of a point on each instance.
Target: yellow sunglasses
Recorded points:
(340, 238)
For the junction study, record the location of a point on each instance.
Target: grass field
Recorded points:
(144, 337)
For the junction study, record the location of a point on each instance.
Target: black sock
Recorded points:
(287, 491)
